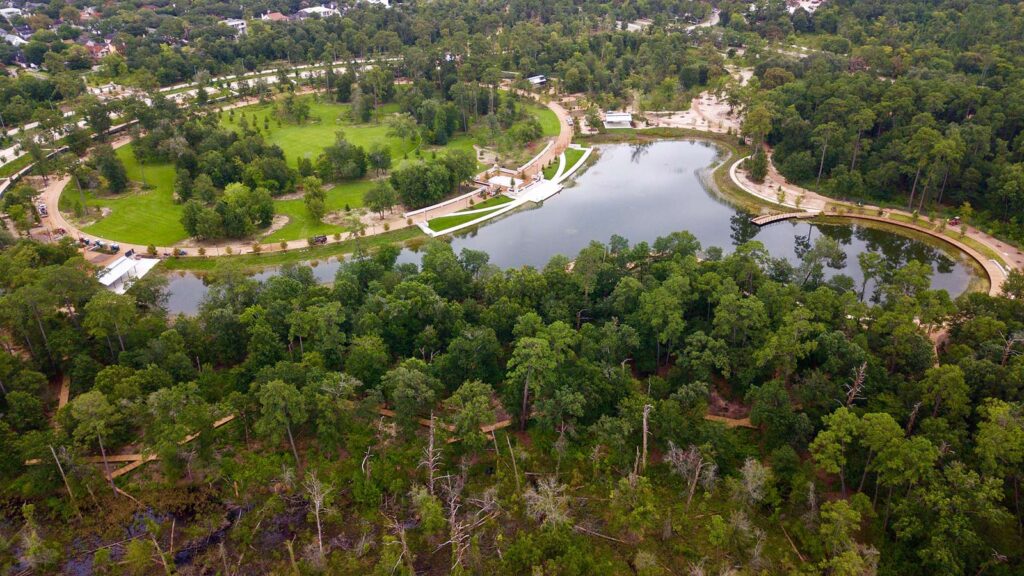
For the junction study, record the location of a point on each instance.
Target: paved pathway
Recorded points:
(50, 195)
(712, 114)
(793, 196)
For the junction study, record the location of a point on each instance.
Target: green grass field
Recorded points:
(309, 139)
(301, 224)
(548, 120)
(551, 169)
(446, 222)
(147, 216)
(572, 156)
(496, 201)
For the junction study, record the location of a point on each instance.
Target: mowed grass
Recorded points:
(149, 215)
(572, 156)
(446, 222)
(548, 120)
(309, 139)
(302, 225)
(551, 169)
(496, 201)
(142, 216)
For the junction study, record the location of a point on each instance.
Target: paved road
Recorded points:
(50, 195)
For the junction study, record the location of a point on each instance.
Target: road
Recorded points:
(50, 195)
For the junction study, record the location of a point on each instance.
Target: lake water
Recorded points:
(641, 192)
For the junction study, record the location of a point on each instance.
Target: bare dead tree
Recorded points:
(548, 503)
(431, 457)
(913, 418)
(854, 388)
(399, 530)
(1009, 341)
(60, 468)
(461, 527)
(811, 516)
(515, 467)
(647, 413)
(317, 492)
(692, 465)
(365, 464)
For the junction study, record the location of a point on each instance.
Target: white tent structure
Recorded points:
(121, 273)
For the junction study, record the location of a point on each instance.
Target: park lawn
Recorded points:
(551, 169)
(146, 216)
(446, 222)
(14, 165)
(326, 119)
(301, 224)
(548, 120)
(572, 156)
(496, 201)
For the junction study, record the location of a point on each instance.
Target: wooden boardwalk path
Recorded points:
(766, 219)
(730, 422)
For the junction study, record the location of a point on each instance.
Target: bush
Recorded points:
(758, 167)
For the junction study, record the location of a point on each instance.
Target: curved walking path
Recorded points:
(714, 116)
(51, 191)
(801, 199)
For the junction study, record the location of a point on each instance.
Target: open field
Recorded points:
(326, 119)
(301, 225)
(148, 214)
(142, 216)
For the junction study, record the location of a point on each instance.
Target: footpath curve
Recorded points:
(50, 196)
(776, 190)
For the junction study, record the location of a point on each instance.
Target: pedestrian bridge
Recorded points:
(772, 218)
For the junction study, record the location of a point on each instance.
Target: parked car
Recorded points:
(321, 239)
(115, 248)
(954, 221)
(180, 252)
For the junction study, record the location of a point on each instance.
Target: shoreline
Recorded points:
(710, 176)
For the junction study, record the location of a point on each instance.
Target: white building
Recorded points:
(119, 276)
(239, 25)
(538, 80)
(9, 13)
(618, 120)
(14, 40)
(384, 3)
(318, 12)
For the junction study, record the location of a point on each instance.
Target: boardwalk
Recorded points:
(766, 219)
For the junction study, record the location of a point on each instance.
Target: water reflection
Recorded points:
(641, 192)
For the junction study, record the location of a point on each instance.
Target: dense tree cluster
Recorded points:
(609, 365)
(420, 184)
(869, 117)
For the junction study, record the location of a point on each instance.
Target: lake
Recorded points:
(641, 192)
